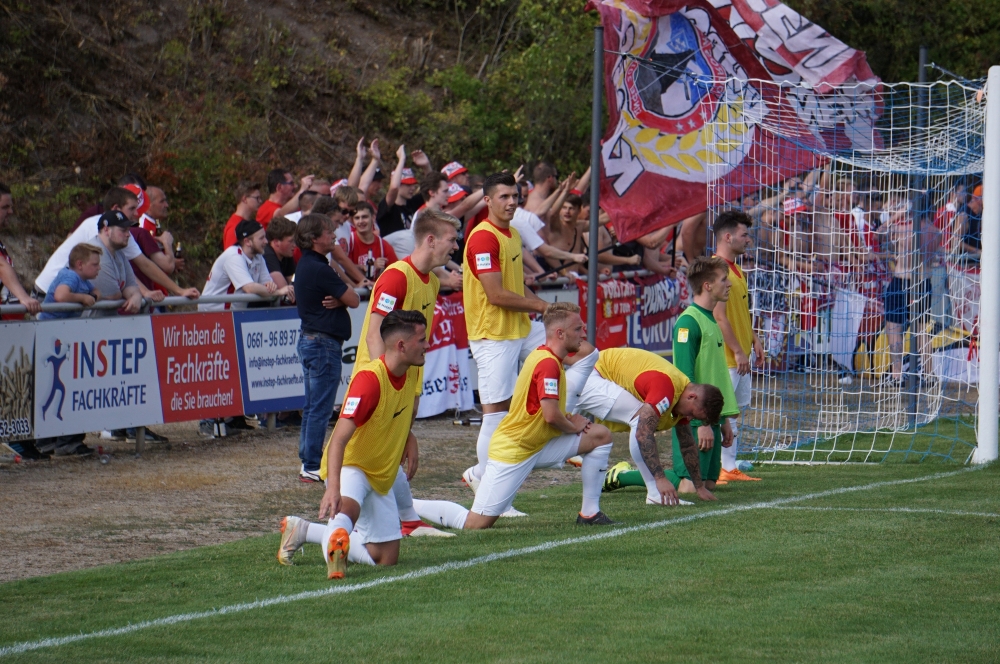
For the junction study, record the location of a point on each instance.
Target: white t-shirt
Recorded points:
(294, 216)
(232, 271)
(60, 257)
(526, 226)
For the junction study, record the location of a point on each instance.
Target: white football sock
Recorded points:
(442, 512)
(404, 499)
(729, 453)
(490, 423)
(358, 552)
(576, 379)
(317, 533)
(595, 464)
(633, 447)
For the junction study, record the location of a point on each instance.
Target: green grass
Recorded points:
(757, 585)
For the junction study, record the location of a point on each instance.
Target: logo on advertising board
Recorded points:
(198, 366)
(93, 374)
(270, 370)
(17, 351)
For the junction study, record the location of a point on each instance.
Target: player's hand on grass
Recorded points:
(705, 494)
(330, 506)
(668, 494)
(706, 438)
(742, 362)
(727, 433)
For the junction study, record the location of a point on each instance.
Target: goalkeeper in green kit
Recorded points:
(699, 352)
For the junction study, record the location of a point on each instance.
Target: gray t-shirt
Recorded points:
(116, 275)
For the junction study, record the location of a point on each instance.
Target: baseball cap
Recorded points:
(246, 228)
(378, 175)
(408, 177)
(454, 168)
(456, 193)
(337, 185)
(141, 195)
(113, 218)
(794, 205)
(978, 191)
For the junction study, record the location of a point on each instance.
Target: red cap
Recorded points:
(337, 185)
(408, 177)
(141, 195)
(456, 193)
(453, 169)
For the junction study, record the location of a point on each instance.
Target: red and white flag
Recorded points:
(698, 95)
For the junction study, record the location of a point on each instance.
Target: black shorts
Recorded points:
(897, 301)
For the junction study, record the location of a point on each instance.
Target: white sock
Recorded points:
(633, 447)
(490, 423)
(442, 512)
(576, 379)
(358, 552)
(404, 499)
(729, 453)
(317, 533)
(595, 464)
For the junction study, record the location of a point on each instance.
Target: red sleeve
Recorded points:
(229, 234)
(483, 253)
(389, 293)
(390, 253)
(362, 398)
(266, 212)
(656, 389)
(146, 243)
(544, 384)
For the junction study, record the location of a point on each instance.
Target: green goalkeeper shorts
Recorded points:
(709, 463)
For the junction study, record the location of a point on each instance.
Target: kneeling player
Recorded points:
(536, 433)
(643, 393)
(361, 460)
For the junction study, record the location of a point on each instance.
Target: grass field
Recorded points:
(890, 562)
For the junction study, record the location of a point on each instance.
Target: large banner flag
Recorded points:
(695, 96)
(446, 367)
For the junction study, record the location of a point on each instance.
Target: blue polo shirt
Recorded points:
(315, 280)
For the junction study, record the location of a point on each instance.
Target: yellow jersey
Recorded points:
(492, 249)
(400, 286)
(524, 431)
(738, 313)
(382, 407)
(646, 376)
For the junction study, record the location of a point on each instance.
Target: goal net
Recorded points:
(864, 268)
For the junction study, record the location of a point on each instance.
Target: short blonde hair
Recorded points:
(83, 252)
(559, 312)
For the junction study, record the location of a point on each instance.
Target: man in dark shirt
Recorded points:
(972, 236)
(279, 254)
(321, 298)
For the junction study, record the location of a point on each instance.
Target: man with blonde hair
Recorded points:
(536, 433)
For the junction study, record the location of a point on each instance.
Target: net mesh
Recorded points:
(864, 270)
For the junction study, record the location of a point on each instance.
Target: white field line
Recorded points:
(27, 646)
(902, 510)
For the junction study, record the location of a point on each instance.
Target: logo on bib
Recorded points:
(350, 405)
(682, 335)
(483, 262)
(663, 406)
(551, 387)
(386, 303)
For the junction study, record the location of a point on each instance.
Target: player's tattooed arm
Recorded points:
(689, 452)
(645, 435)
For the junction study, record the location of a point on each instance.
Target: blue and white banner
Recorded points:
(93, 374)
(270, 370)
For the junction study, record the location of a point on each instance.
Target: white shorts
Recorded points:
(379, 518)
(741, 386)
(501, 481)
(599, 396)
(498, 362)
(576, 379)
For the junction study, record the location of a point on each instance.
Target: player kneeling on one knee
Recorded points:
(536, 433)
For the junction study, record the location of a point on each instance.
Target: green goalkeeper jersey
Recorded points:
(700, 353)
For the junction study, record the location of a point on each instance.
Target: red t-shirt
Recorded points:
(390, 290)
(359, 252)
(266, 211)
(484, 244)
(480, 217)
(363, 395)
(544, 383)
(229, 232)
(655, 387)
